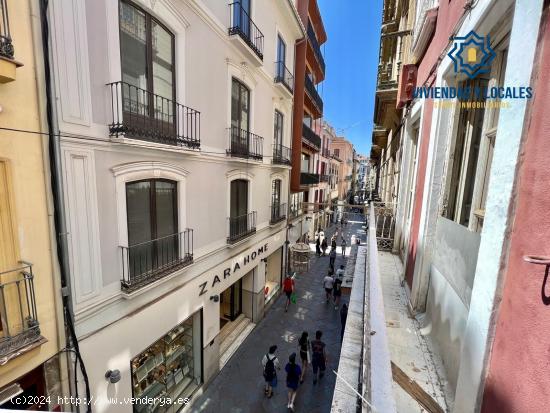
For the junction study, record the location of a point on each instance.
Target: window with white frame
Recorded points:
(471, 152)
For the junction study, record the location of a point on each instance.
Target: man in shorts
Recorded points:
(318, 356)
(328, 283)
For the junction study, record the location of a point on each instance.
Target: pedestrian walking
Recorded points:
(343, 319)
(324, 246)
(288, 288)
(344, 245)
(318, 246)
(293, 374)
(318, 357)
(340, 271)
(332, 257)
(337, 292)
(328, 283)
(305, 356)
(270, 364)
(333, 242)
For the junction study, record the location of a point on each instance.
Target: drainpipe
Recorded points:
(59, 207)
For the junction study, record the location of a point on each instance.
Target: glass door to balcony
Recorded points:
(153, 239)
(240, 118)
(281, 58)
(276, 200)
(148, 76)
(241, 16)
(238, 214)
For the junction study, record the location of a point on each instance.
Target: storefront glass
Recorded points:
(170, 368)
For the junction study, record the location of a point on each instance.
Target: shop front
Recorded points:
(273, 274)
(170, 368)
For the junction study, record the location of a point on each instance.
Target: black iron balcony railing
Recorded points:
(6, 45)
(313, 139)
(149, 261)
(18, 318)
(313, 94)
(140, 114)
(307, 178)
(284, 76)
(244, 144)
(241, 227)
(281, 155)
(295, 210)
(278, 213)
(325, 152)
(316, 48)
(242, 25)
(324, 178)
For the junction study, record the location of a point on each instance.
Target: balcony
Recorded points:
(311, 91)
(312, 139)
(19, 326)
(325, 152)
(284, 77)
(7, 61)
(242, 27)
(241, 227)
(278, 213)
(281, 155)
(149, 261)
(243, 144)
(324, 178)
(296, 210)
(316, 48)
(307, 178)
(140, 114)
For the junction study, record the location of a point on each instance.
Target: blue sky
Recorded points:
(351, 57)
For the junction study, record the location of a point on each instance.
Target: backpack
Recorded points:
(269, 370)
(317, 348)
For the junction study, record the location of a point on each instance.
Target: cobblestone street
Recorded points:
(239, 386)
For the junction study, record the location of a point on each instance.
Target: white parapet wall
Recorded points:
(364, 381)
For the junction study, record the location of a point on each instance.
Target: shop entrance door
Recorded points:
(231, 303)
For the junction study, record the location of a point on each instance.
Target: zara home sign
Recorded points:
(233, 269)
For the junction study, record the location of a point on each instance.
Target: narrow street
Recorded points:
(239, 386)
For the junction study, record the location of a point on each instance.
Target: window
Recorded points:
(241, 222)
(308, 121)
(278, 134)
(305, 163)
(281, 57)
(240, 115)
(153, 237)
(147, 62)
(337, 153)
(276, 192)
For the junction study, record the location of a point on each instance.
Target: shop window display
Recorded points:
(166, 369)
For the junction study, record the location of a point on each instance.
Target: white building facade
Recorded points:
(173, 118)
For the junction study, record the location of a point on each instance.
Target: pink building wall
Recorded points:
(448, 15)
(518, 373)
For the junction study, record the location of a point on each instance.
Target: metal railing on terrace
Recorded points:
(244, 144)
(311, 137)
(284, 76)
(307, 178)
(19, 326)
(140, 114)
(149, 261)
(241, 227)
(278, 213)
(296, 210)
(281, 155)
(313, 94)
(384, 213)
(316, 47)
(6, 45)
(242, 25)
